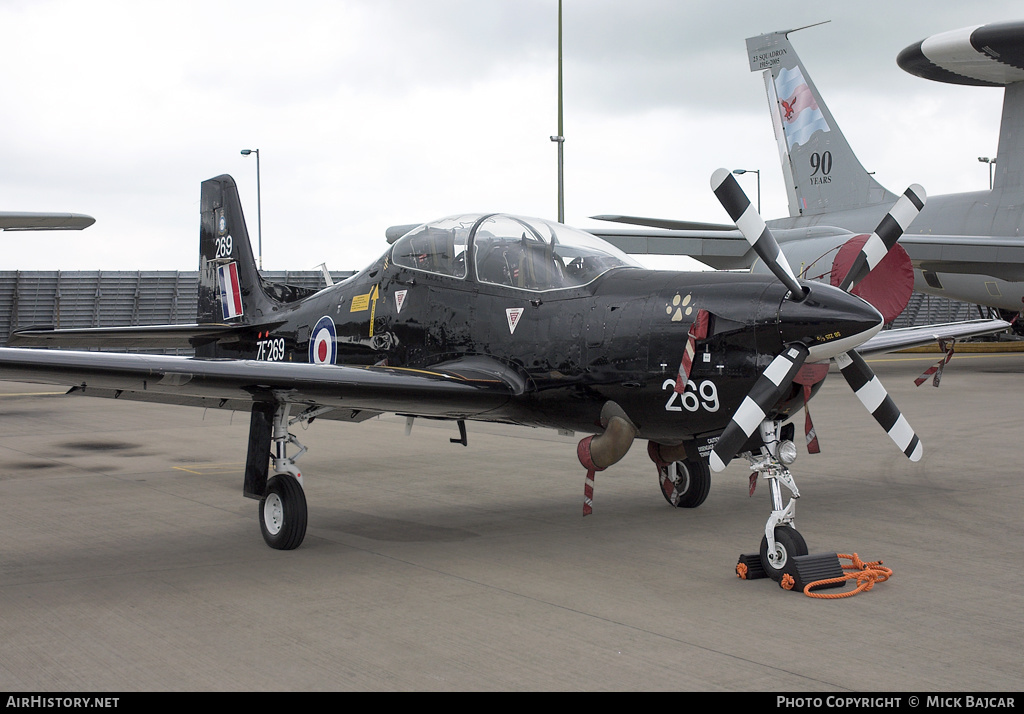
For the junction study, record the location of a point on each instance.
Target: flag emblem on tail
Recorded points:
(230, 290)
(801, 115)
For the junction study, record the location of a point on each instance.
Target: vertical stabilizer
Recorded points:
(1009, 176)
(821, 171)
(230, 287)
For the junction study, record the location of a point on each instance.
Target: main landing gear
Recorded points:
(686, 482)
(282, 509)
(283, 513)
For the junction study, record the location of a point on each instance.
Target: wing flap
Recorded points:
(238, 405)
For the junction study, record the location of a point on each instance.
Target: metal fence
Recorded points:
(931, 309)
(109, 298)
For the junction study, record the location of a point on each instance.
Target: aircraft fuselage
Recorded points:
(619, 338)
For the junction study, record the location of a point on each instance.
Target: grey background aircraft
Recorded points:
(965, 246)
(22, 221)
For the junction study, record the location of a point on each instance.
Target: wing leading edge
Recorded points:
(907, 337)
(466, 389)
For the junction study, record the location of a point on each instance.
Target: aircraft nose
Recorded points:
(828, 321)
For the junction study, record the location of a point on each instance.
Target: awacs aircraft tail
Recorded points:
(821, 171)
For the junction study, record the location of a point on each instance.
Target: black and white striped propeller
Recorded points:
(890, 230)
(753, 228)
(778, 377)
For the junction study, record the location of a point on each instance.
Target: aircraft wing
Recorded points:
(719, 249)
(999, 256)
(667, 223)
(907, 337)
(460, 389)
(20, 221)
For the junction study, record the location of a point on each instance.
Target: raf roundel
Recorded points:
(322, 347)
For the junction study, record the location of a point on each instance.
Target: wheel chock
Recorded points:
(805, 569)
(749, 567)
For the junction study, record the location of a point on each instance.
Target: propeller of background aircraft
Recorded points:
(778, 377)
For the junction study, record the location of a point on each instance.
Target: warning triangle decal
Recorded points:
(513, 314)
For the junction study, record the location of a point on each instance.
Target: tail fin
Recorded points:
(229, 283)
(821, 171)
(231, 288)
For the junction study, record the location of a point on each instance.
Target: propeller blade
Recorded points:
(877, 401)
(890, 230)
(767, 390)
(760, 238)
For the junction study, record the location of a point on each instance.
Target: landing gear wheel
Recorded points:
(788, 544)
(283, 513)
(688, 486)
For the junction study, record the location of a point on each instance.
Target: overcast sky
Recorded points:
(370, 113)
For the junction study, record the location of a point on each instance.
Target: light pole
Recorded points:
(740, 172)
(986, 160)
(259, 207)
(560, 139)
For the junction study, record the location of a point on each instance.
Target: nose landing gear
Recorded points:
(781, 541)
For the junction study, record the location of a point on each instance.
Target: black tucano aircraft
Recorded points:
(514, 320)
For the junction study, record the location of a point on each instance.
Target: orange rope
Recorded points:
(866, 576)
(741, 571)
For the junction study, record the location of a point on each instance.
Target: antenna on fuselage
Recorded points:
(327, 274)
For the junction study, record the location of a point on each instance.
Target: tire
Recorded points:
(788, 544)
(690, 487)
(282, 513)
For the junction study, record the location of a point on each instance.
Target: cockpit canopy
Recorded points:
(528, 253)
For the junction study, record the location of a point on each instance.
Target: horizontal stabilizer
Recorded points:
(135, 336)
